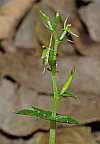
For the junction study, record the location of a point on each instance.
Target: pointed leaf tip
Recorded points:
(73, 70)
(69, 81)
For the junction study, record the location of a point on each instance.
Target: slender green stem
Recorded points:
(55, 102)
(52, 135)
(55, 98)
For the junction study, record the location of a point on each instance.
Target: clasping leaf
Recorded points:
(47, 115)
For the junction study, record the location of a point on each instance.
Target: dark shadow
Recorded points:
(95, 126)
(81, 3)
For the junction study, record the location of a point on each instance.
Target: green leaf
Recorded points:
(27, 111)
(68, 82)
(47, 115)
(47, 21)
(45, 17)
(66, 119)
(36, 112)
(62, 36)
(58, 18)
(67, 94)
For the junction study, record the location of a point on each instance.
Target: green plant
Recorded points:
(49, 57)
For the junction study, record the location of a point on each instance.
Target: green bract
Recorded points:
(68, 82)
